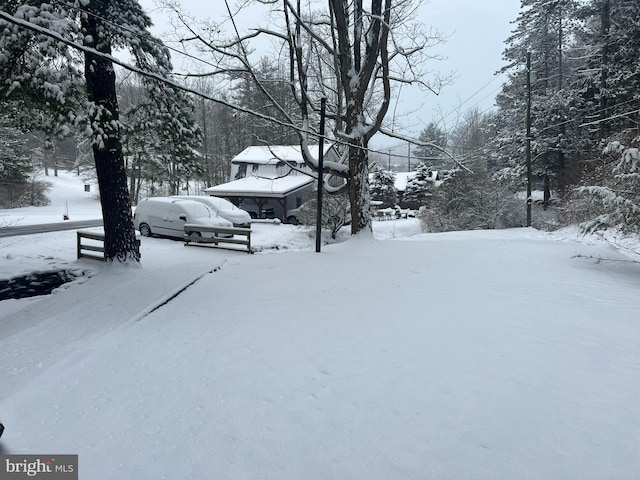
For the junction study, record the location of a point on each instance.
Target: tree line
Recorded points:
(583, 86)
(149, 135)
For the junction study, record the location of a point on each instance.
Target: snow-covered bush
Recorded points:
(335, 212)
(620, 197)
(471, 201)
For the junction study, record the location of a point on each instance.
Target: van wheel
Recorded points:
(145, 231)
(195, 235)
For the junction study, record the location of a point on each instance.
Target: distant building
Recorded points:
(269, 181)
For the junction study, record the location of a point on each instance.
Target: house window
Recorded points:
(255, 167)
(242, 171)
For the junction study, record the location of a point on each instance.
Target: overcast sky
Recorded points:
(477, 31)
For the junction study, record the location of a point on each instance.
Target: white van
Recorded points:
(166, 216)
(240, 218)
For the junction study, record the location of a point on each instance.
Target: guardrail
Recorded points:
(83, 248)
(194, 234)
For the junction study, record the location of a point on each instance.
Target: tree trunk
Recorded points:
(120, 240)
(46, 158)
(546, 198)
(131, 169)
(605, 26)
(359, 196)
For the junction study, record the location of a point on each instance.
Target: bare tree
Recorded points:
(348, 52)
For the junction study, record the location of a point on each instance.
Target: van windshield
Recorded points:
(222, 204)
(197, 210)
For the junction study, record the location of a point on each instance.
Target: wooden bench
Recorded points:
(96, 246)
(193, 234)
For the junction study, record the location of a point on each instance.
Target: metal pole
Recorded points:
(323, 103)
(529, 200)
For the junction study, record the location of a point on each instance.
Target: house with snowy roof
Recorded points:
(269, 181)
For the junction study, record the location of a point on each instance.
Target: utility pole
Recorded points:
(529, 200)
(205, 145)
(408, 157)
(323, 104)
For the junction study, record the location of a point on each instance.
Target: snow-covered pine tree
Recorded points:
(609, 78)
(621, 198)
(544, 30)
(15, 168)
(156, 141)
(610, 81)
(42, 73)
(383, 187)
(419, 187)
(42, 87)
(434, 141)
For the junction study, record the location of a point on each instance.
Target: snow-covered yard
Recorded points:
(472, 355)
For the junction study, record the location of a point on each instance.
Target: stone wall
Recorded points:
(37, 283)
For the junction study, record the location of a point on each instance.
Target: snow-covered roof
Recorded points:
(273, 154)
(401, 180)
(261, 187)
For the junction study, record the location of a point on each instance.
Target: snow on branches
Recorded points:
(621, 197)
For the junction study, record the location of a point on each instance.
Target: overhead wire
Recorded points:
(384, 150)
(457, 108)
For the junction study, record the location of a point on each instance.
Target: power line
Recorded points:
(163, 79)
(152, 75)
(178, 86)
(457, 109)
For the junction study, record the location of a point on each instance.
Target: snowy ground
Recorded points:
(67, 195)
(473, 355)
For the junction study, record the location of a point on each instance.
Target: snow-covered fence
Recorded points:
(96, 244)
(193, 233)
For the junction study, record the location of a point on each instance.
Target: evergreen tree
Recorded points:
(15, 167)
(420, 187)
(543, 30)
(434, 141)
(610, 76)
(161, 137)
(41, 74)
(273, 97)
(620, 197)
(383, 187)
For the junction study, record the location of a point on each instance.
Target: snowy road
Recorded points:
(47, 227)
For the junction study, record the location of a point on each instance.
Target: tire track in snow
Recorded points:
(173, 294)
